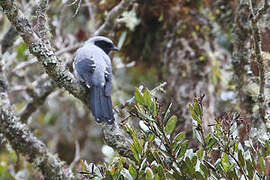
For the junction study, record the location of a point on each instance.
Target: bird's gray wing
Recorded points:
(85, 68)
(108, 77)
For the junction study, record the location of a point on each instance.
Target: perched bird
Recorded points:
(92, 65)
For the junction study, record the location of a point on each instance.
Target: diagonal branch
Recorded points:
(41, 10)
(44, 53)
(23, 141)
(54, 68)
(39, 95)
(112, 15)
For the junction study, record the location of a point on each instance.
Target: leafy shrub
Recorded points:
(230, 150)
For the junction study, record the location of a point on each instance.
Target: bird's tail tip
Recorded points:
(101, 106)
(109, 121)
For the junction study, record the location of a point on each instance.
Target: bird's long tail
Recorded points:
(101, 105)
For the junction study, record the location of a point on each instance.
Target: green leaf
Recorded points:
(176, 147)
(191, 169)
(170, 125)
(197, 110)
(205, 170)
(107, 177)
(147, 99)
(183, 149)
(143, 164)
(83, 166)
(167, 114)
(194, 161)
(138, 96)
(149, 173)
(193, 113)
(261, 162)
(135, 153)
(137, 145)
(132, 170)
(200, 153)
(198, 175)
(180, 137)
(250, 170)
(198, 136)
(120, 164)
(210, 166)
(211, 143)
(21, 50)
(225, 162)
(161, 172)
(241, 159)
(154, 108)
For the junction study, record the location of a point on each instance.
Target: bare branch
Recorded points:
(69, 48)
(112, 15)
(24, 64)
(38, 98)
(41, 20)
(114, 136)
(77, 155)
(240, 59)
(9, 38)
(262, 11)
(91, 13)
(258, 54)
(23, 141)
(57, 53)
(45, 54)
(78, 7)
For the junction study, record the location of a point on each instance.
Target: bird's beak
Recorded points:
(115, 48)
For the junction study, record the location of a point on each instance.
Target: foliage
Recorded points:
(229, 150)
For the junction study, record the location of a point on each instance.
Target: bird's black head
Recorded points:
(104, 43)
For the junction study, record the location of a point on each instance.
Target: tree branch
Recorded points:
(56, 70)
(112, 15)
(40, 12)
(41, 20)
(23, 141)
(44, 53)
(38, 95)
(242, 33)
(9, 39)
(258, 54)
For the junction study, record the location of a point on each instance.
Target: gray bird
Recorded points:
(92, 65)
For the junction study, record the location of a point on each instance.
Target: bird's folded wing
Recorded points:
(85, 69)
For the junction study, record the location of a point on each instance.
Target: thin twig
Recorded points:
(37, 100)
(41, 20)
(77, 155)
(91, 13)
(112, 15)
(57, 53)
(262, 11)
(78, 7)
